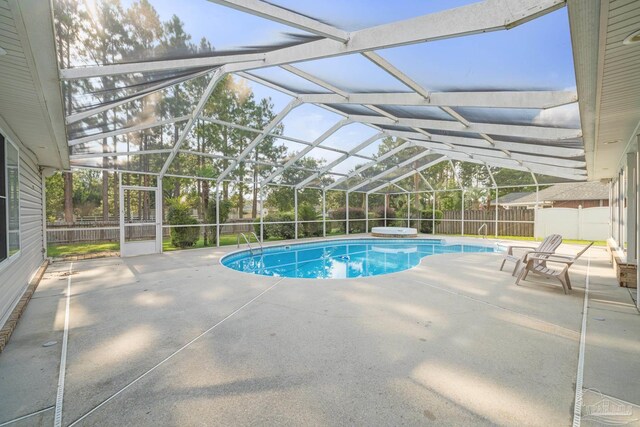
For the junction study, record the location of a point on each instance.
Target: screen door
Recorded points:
(140, 229)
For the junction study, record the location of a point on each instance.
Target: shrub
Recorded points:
(355, 214)
(179, 213)
(306, 212)
(379, 212)
(210, 217)
(426, 225)
(277, 231)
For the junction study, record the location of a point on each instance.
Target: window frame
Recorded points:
(11, 257)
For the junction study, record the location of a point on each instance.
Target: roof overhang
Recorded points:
(31, 106)
(608, 83)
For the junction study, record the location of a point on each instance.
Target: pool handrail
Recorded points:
(248, 242)
(485, 230)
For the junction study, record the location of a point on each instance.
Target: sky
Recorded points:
(534, 56)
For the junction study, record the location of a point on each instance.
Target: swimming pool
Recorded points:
(339, 259)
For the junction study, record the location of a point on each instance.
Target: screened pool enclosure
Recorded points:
(321, 116)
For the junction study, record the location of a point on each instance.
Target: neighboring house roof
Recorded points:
(560, 192)
(512, 197)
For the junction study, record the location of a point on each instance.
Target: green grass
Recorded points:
(533, 239)
(73, 249)
(62, 250)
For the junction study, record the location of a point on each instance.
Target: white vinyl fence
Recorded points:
(582, 224)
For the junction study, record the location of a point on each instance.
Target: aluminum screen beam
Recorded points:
(328, 167)
(258, 139)
(249, 60)
(126, 130)
(372, 163)
(408, 174)
(303, 152)
(506, 99)
(552, 161)
(217, 76)
(287, 17)
(574, 174)
(539, 132)
(391, 169)
(391, 69)
(266, 83)
(119, 153)
(155, 88)
(426, 181)
(285, 137)
(298, 72)
(489, 15)
(406, 80)
(222, 157)
(546, 150)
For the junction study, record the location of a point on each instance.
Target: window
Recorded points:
(9, 199)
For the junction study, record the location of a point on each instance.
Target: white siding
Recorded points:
(16, 273)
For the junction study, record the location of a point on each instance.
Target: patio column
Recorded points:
(623, 211)
(632, 217)
(43, 195)
(324, 213)
(614, 208)
(610, 208)
(637, 198)
(295, 211)
(347, 212)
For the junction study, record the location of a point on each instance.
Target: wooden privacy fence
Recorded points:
(109, 231)
(511, 222)
(98, 231)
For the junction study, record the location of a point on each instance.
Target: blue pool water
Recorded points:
(339, 259)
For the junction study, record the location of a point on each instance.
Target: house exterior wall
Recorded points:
(17, 271)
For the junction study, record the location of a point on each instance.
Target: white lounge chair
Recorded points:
(537, 263)
(548, 246)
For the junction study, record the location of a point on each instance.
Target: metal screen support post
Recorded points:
(324, 213)
(386, 207)
(535, 212)
(433, 214)
(408, 210)
(462, 215)
(261, 213)
(295, 211)
(159, 214)
(495, 220)
(121, 212)
(347, 212)
(217, 215)
(366, 212)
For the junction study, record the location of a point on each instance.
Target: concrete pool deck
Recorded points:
(178, 339)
